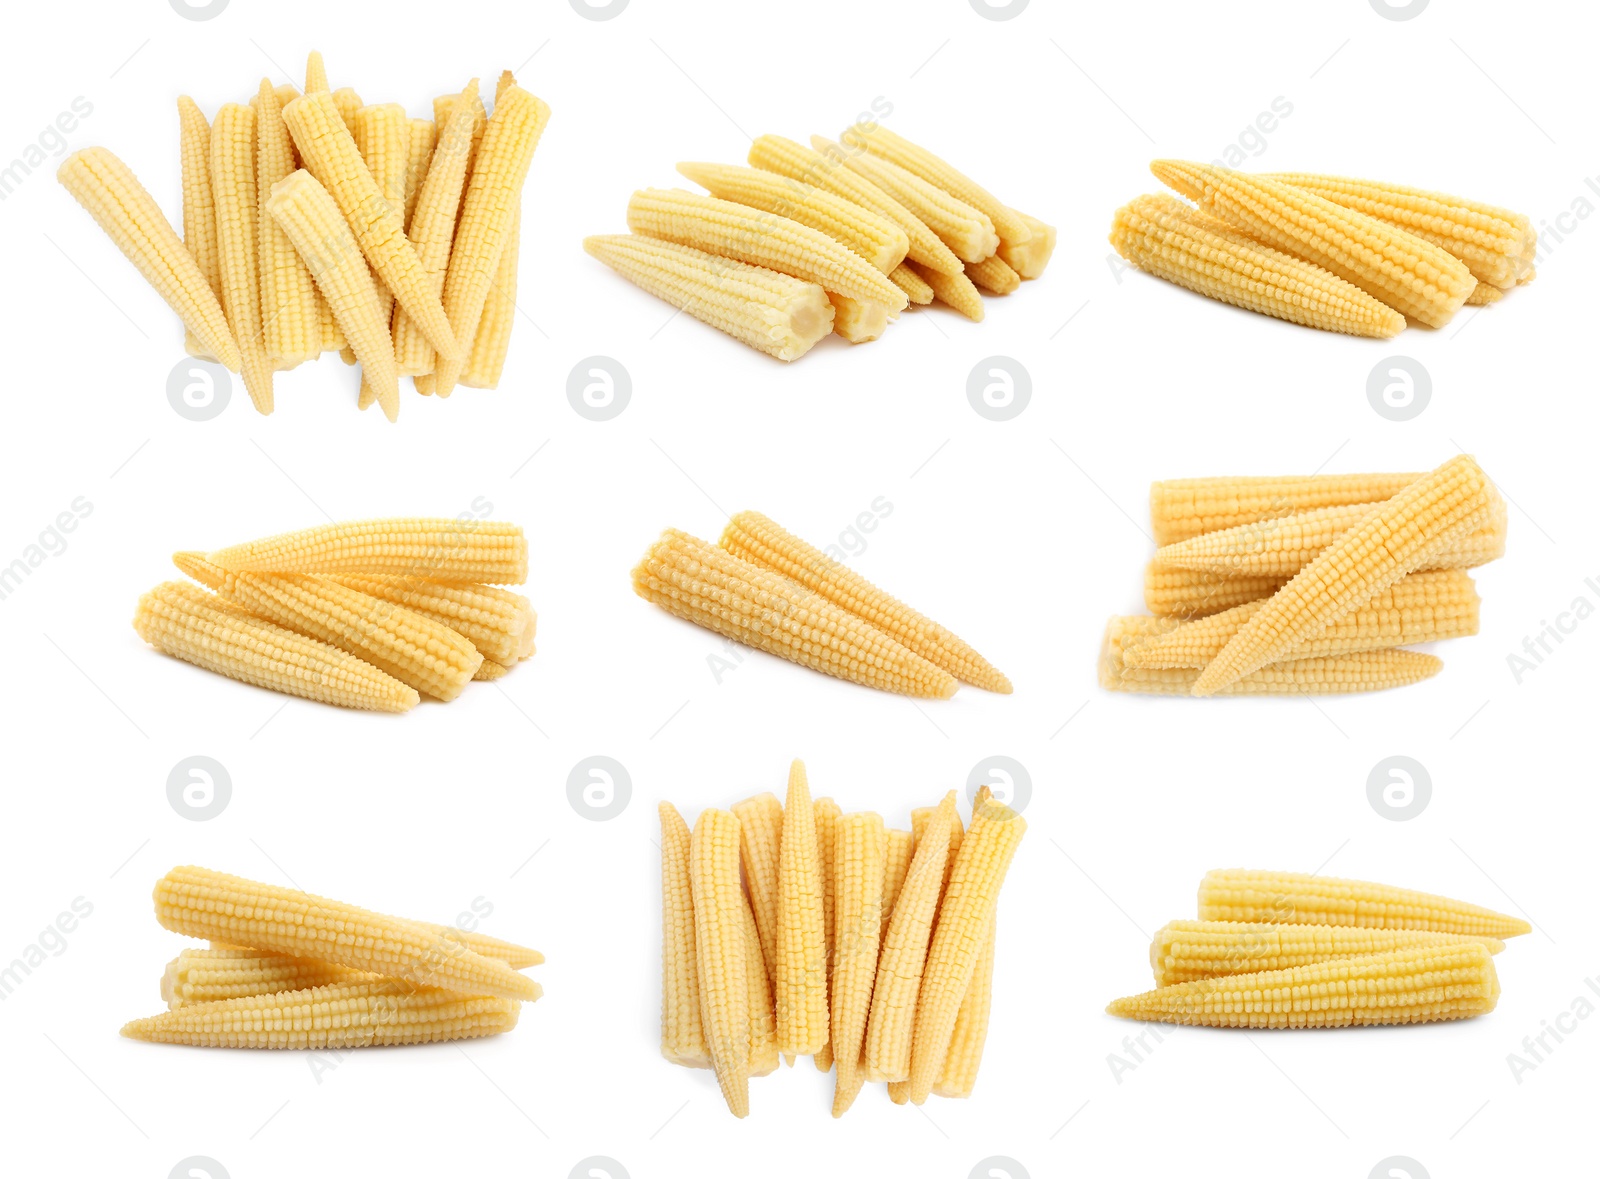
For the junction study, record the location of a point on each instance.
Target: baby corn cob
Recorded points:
(801, 973)
(207, 976)
(825, 816)
(913, 284)
(773, 153)
(1187, 593)
(994, 276)
(1031, 257)
(442, 549)
(198, 628)
(499, 623)
(879, 141)
(682, 1041)
(1418, 985)
(716, 590)
(1413, 276)
(876, 239)
(489, 670)
(1181, 508)
(763, 1039)
(860, 847)
(487, 357)
(1403, 534)
(290, 322)
(332, 334)
(348, 1015)
(490, 947)
(722, 953)
(896, 863)
(347, 102)
(967, 231)
(1237, 894)
(773, 313)
(921, 817)
(760, 835)
(1483, 294)
(1169, 239)
(1184, 951)
(858, 322)
(233, 191)
(421, 136)
(752, 537)
(759, 239)
(316, 72)
(953, 290)
(207, 904)
(383, 137)
(113, 196)
(960, 1072)
(199, 214)
(1362, 671)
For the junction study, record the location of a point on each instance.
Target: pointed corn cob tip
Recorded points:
(193, 563)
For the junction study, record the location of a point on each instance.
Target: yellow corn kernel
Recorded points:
(383, 137)
(310, 217)
(1483, 294)
(332, 334)
(1181, 508)
(801, 973)
(113, 196)
(421, 137)
(874, 237)
(916, 288)
(197, 627)
(752, 537)
(1362, 671)
(1418, 985)
(487, 358)
(207, 976)
(960, 1072)
(1031, 257)
(921, 817)
(785, 157)
(490, 670)
(1186, 593)
(825, 817)
(896, 863)
(860, 848)
(955, 291)
(1415, 277)
(751, 605)
(967, 231)
(347, 102)
(1237, 894)
(499, 623)
(1171, 240)
(682, 1040)
(233, 191)
(760, 834)
(199, 215)
(479, 943)
(1183, 951)
(763, 1039)
(905, 949)
(856, 321)
(773, 313)
(286, 93)
(490, 551)
(994, 276)
(494, 193)
(290, 322)
(206, 904)
(722, 953)
(316, 72)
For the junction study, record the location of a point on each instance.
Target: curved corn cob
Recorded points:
(913, 284)
(1162, 235)
(860, 848)
(207, 976)
(207, 904)
(960, 1072)
(994, 276)
(887, 1055)
(682, 1041)
(499, 623)
(1415, 277)
(490, 551)
(316, 72)
(763, 1055)
(290, 322)
(113, 196)
(233, 191)
(953, 290)
(752, 537)
(760, 834)
(1238, 894)
(714, 589)
(1187, 593)
(1407, 532)
(1181, 508)
(199, 214)
(722, 953)
(800, 977)
(896, 863)
(383, 137)
(774, 153)
(825, 817)
(421, 137)
(968, 232)
(1183, 951)
(198, 628)
(879, 141)
(870, 235)
(858, 322)
(488, 212)
(1031, 257)
(1362, 671)
(771, 312)
(1418, 985)
(349, 1015)
(1494, 243)
(759, 239)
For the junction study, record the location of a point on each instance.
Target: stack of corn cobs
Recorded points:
(313, 223)
(363, 615)
(286, 969)
(869, 950)
(1287, 950)
(1343, 255)
(1306, 585)
(837, 237)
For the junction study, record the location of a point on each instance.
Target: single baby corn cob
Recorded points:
(905, 948)
(489, 670)
(860, 846)
(1413, 276)
(1362, 671)
(753, 537)
(754, 606)
(349, 1015)
(967, 231)
(1491, 241)
(763, 1016)
(1181, 508)
(960, 1072)
(858, 322)
(286, 93)
(199, 214)
(1031, 257)
(310, 217)
(197, 627)
(1237, 894)
(875, 238)
(1402, 535)
(1483, 294)
(421, 136)
(759, 239)
(1418, 985)
(113, 196)
(825, 816)
(1183, 951)
(290, 322)
(916, 288)
(490, 947)
(499, 623)
(347, 102)
(1187, 593)
(994, 276)
(722, 953)
(921, 817)
(896, 863)
(488, 211)
(760, 835)
(773, 313)
(316, 72)
(207, 904)
(332, 334)
(879, 141)
(953, 290)
(1171, 240)
(490, 551)
(682, 1041)
(207, 976)
(801, 973)
(383, 137)
(233, 192)
(487, 358)
(273, 965)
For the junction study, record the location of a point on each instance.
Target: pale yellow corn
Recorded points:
(921, 817)
(421, 137)
(487, 358)
(763, 1038)
(286, 93)
(1238, 894)
(1362, 671)
(968, 231)
(955, 291)
(878, 140)
(896, 863)
(1484, 294)
(801, 973)
(825, 817)
(199, 215)
(1183, 951)
(479, 943)
(316, 72)
(913, 284)
(1181, 508)
(497, 622)
(233, 191)
(1187, 593)
(347, 102)
(860, 848)
(1031, 257)
(383, 137)
(490, 670)
(994, 276)
(760, 835)
(858, 322)
(960, 1072)
(490, 551)
(207, 976)
(290, 322)
(722, 953)
(332, 334)
(682, 1040)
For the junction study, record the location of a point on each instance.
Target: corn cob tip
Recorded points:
(193, 563)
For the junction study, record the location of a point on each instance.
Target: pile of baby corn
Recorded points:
(1306, 585)
(1286, 950)
(869, 950)
(286, 969)
(837, 237)
(372, 614)
(768, 589)
(1343, 255)
(314, 223)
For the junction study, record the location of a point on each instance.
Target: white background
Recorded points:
(1023, 536)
